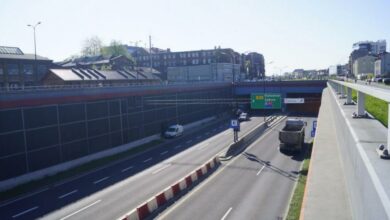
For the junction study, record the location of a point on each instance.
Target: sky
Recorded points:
(291, 34)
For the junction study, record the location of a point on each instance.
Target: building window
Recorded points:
(204, 61)
(189, 54)
(42, 70)
(13, 69)
(28, 69)
(209, 60)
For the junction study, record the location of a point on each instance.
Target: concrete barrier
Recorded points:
(144, 210)
(365, 172)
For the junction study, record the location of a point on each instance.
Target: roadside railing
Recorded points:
(344, 90)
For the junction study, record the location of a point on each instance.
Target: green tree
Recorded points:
(92, 46)
(116, 48)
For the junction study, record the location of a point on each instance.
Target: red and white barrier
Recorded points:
(145, 209)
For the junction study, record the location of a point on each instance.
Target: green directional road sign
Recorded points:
(265, 101)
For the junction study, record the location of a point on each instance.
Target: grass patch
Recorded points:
(376, 107)
(49, 180)
(296, 202)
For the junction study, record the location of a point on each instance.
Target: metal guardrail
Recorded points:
(362, 91)
(26, 89)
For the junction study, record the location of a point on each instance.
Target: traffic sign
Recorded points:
(265, 101)
(294, 100)
(235, 124)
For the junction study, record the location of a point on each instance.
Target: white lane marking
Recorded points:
(203, 146)
(127, 168)
(214, 174)
(189, 141)
(260, 170)
(147, 160)
(156, 171)
(23, 197)
(67, 194)
(164, 152)
(80, 210)
(102, 179)
(227, 213)
(178, 146)
(24, 212)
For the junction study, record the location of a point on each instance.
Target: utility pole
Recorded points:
(35, 49)
(150, 52)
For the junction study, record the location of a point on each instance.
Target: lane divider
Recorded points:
(144, 210)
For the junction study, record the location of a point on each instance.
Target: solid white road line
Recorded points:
(227, 213)
(102, 179)
(24, 212)
(23, 197)
(67, 194)
(80, 210)
(214, 174)
(127, 168)
(164, 152)
(156, 171)
(147, 160)
(260, 170)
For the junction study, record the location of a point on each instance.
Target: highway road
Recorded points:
(257, 184)
(111, 191)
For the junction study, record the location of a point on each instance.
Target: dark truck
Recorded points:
(292, 136)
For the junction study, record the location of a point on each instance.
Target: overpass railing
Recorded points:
(344, 89)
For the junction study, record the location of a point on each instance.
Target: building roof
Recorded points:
(82, 74)
(17, 54)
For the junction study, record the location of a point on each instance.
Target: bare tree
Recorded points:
(92, 46)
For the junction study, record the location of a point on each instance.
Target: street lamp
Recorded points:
(35, 48)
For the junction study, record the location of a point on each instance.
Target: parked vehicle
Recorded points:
(292, 136)
(386, 81)
(243, 117)
(174, 131)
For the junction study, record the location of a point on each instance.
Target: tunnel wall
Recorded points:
(35, 137)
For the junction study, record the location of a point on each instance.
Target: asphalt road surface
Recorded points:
(111, 191)
(257, 184)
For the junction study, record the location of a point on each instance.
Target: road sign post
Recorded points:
(235, 124)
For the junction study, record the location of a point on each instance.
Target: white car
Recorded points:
(174, 131)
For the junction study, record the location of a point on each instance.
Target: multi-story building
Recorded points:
(162, 59)
(18, 69)
(207, 72)
(374, 47)
(364, 65)
(256, 68)
(382, 64)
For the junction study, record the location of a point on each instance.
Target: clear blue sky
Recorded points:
(292, 33)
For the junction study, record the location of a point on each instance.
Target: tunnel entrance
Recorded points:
(311, 106)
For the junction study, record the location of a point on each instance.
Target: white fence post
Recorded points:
(349, 96)
(360, 103)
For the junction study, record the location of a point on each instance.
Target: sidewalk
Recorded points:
(326, 191)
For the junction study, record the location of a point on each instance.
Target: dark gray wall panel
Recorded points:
(71, 113)
(72, 132)
(99, 143)
(97, 110)
(12, 166)
(40, 138)
(11, 120)
(115, 124)
(11, 143)
(40, 117)
(97, 127)
(116, 139)
(75, 150)
(44, 158)
(114, 108)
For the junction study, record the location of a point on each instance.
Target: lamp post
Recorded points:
(35, 49)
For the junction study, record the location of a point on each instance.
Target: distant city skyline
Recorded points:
(290, 35)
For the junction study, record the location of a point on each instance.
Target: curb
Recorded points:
(144, 210)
